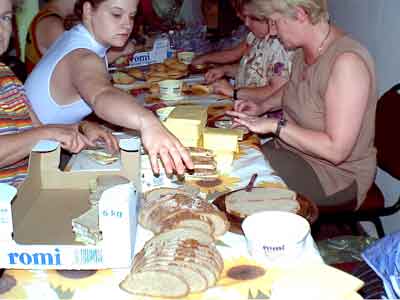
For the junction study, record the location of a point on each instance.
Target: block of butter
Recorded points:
(220, 139)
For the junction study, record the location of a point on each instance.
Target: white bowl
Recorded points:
(276, 237)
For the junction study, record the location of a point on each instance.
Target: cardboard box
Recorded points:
(35, 223)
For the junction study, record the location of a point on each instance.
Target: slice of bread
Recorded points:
(178, 234)
(194, 279)
(155, 283)
(203, 268)
(185, 219)
(187, 248)
(243, 204)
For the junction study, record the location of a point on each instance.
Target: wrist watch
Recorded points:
(281, 123)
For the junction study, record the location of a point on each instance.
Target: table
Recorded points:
(242, 278)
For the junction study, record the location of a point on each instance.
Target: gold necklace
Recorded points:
(319, 50)
(321, 46)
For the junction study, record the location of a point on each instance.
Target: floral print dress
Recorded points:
(265, 58)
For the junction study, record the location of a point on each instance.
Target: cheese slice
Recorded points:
(314, 281)
(220, 139)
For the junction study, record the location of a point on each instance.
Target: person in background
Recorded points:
(264, 65)
(49, 24)
(19, 128)
(324, 142)
(72, 80)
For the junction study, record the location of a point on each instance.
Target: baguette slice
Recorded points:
(155, 283)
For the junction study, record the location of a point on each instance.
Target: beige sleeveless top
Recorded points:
(303, 103)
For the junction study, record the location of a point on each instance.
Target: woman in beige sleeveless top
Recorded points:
(324, 141)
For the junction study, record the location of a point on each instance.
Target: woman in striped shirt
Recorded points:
(19, 128)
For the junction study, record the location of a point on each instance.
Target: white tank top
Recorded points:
(38, 83)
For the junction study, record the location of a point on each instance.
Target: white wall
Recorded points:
(376, 24)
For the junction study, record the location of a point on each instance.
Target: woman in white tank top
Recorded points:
(72, 80)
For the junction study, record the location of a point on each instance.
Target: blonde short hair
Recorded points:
(317, 10)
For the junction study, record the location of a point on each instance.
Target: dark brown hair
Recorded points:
(78, 8)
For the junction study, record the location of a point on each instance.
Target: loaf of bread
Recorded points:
(165, 208)
(242, 203)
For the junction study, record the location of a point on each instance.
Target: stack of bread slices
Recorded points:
(182, 257)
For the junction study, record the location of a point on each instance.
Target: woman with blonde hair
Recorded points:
(324, 142)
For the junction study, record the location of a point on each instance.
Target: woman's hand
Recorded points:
(223, 87)
(68, 136)
(96, 133)
(255, 124)
(248, 107)
(159, 143)
(214, 74)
